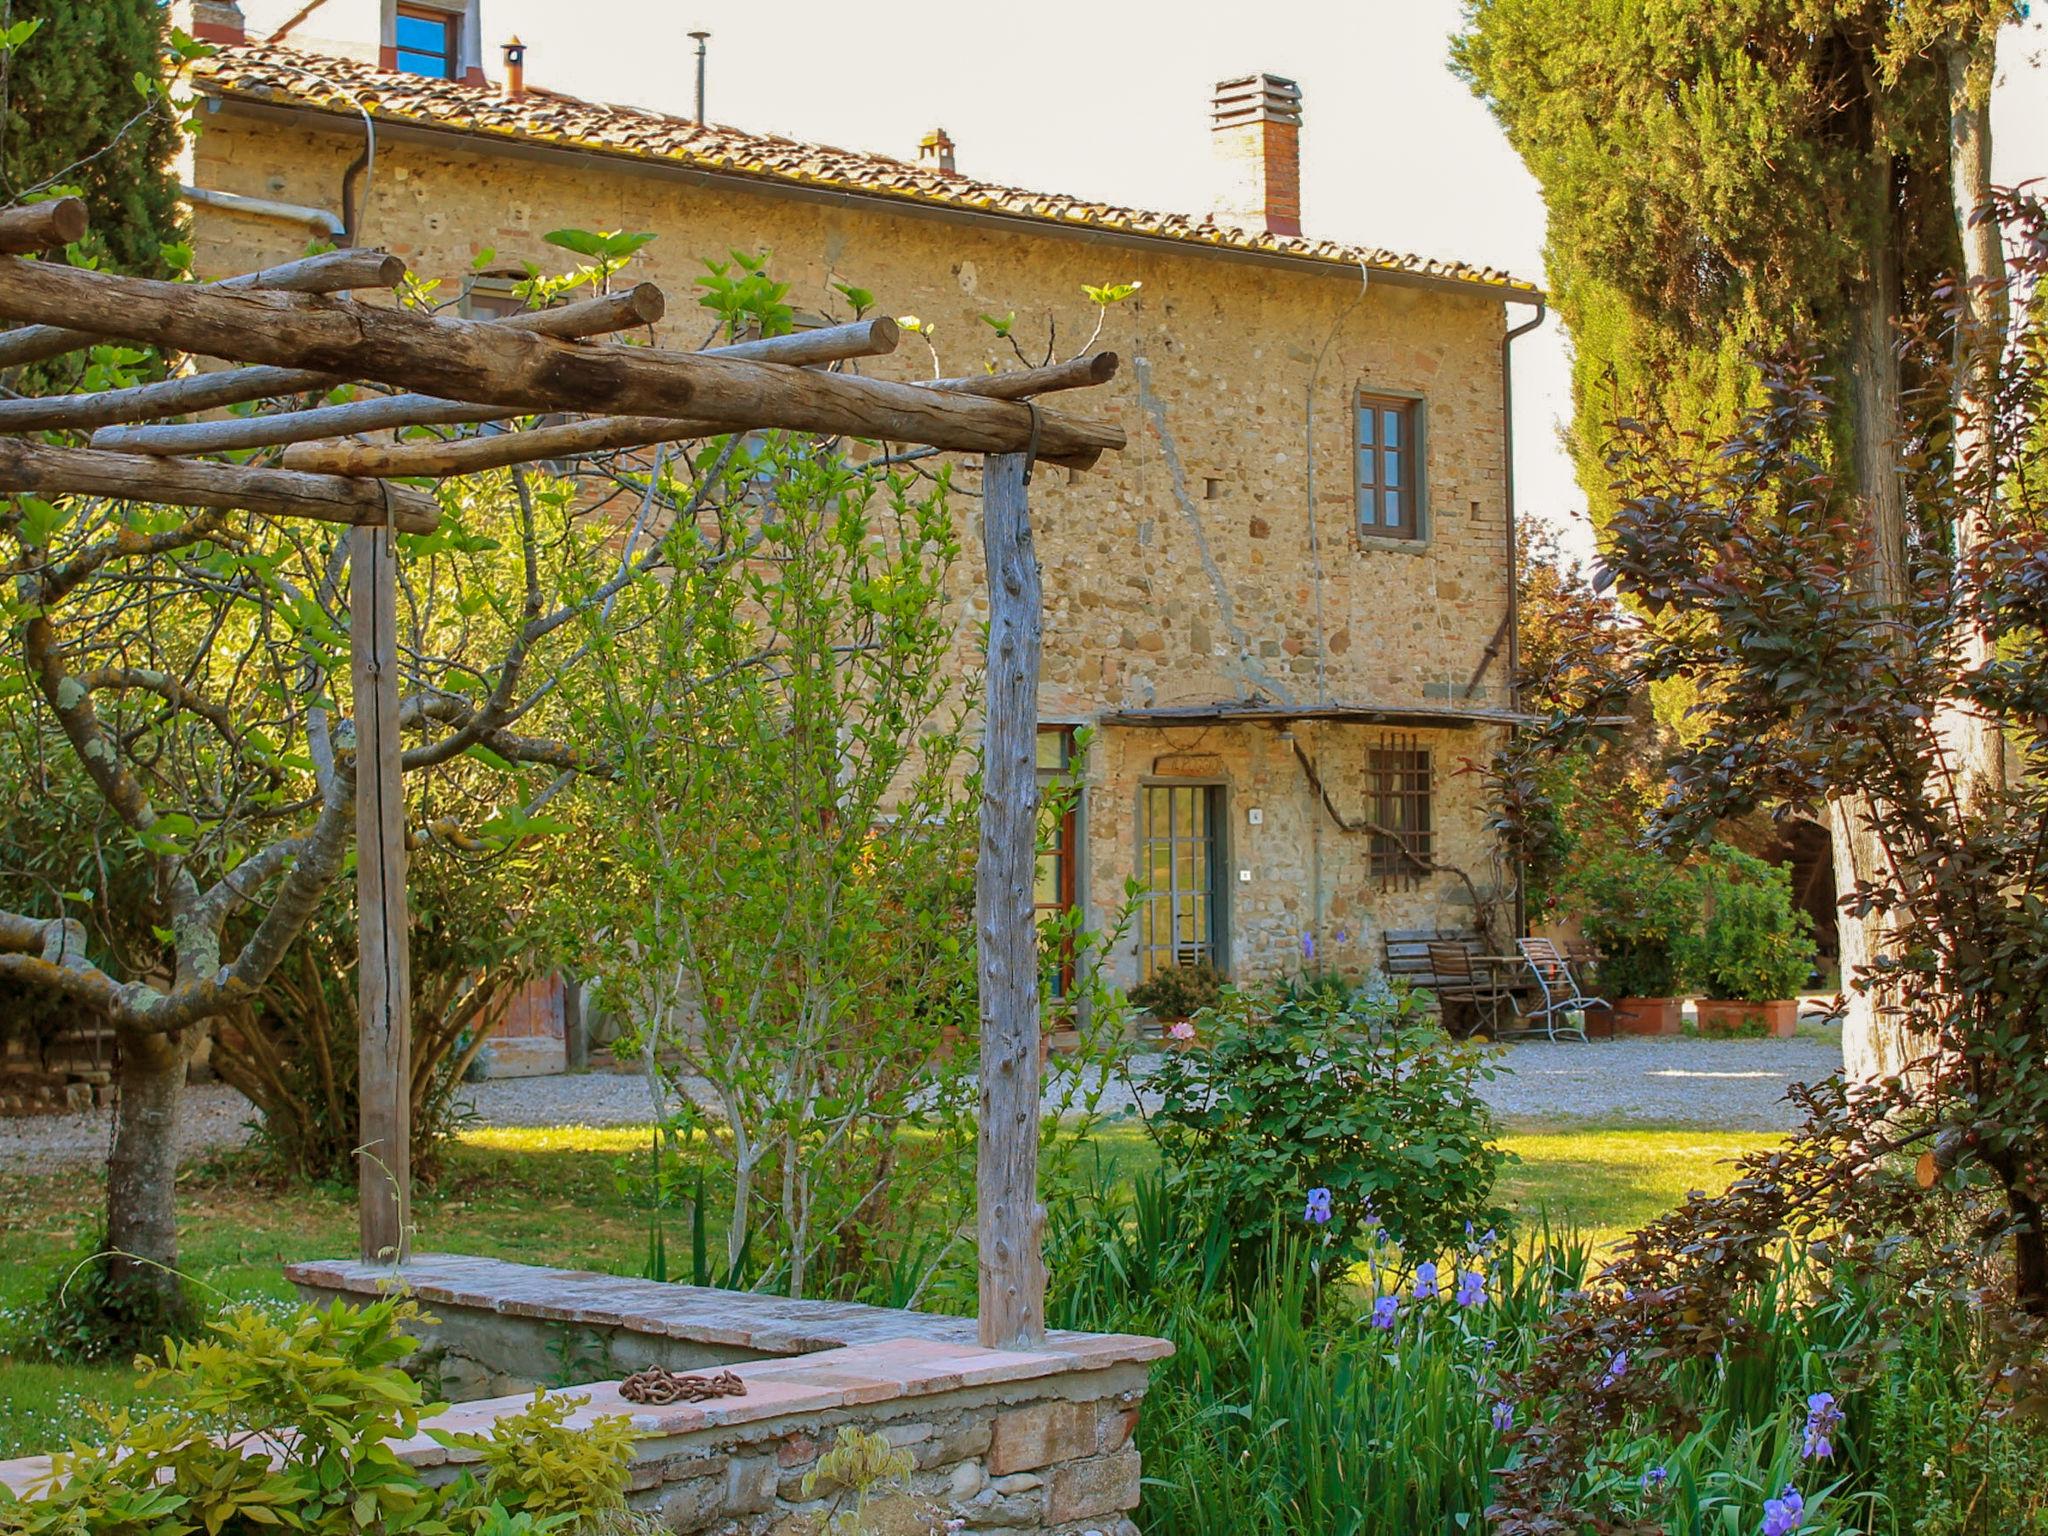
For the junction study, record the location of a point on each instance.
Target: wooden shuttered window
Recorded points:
(1387, 444)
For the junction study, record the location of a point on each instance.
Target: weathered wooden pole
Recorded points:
(1011, 1223)
(384, 972)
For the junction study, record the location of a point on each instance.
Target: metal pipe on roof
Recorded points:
(702, 39)
(265, 208)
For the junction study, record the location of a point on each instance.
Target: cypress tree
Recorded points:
(1724, 174)
(73, 116)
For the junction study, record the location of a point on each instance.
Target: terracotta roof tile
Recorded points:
(269, 72)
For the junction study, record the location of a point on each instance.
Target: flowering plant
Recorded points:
(1363, 1120)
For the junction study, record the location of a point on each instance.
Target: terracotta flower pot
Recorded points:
(1778, 1019)
(1600, 1024)
(1647, 1015)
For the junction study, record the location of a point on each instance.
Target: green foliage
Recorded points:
(288, 1419)
(1179, 991)
(857, 1465)
(786, 889)
(1670, 141)
(85, 1317)
(1379, 1106)
(1753, 944)
(1285, 1407)
(745, 298)
(86, 106)
(1639, 909)
(536, 1463)
(478, 935)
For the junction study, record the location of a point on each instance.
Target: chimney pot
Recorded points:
(218, 21)
(515, 68)
(936, 146)
(1255, 132)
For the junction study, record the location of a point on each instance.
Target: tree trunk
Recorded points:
(1873, 1045)
(144, 1290)
(1979, 743)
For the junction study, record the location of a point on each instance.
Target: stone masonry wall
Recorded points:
(1216, 560)
(1019, 1441)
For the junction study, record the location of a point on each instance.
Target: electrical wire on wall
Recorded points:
(1315, 562)
(364, 165)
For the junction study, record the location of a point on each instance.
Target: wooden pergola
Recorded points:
(292, 329)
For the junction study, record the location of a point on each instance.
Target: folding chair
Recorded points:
(1558, 987)
(1455, 979)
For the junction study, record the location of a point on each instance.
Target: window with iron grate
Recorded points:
(1398, 784)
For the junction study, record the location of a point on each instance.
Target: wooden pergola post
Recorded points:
(383, 969)
(293, 337)
(1011, 1220)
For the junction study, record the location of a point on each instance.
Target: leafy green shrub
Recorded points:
(83, 1318)
(1179, 991)
(535, 1463)
(1753, 945)
(1379, 1108)
(1637, 909)
(289, 1421)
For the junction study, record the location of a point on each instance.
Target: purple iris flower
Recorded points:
(1503, 1417)
(1308, 946)
(1784, 1514)
(1654, 1479)
(1471, 1288)
(1823, 1421)
(1385, 1310)
(1425, 1281)
(1616, 1369)
(1318, 1209)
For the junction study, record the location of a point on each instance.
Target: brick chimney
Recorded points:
(936, 146)
(217, 21)
(1255, 131)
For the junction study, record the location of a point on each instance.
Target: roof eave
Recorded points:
(404, 130)
(1421, 716)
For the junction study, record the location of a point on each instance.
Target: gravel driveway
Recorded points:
(1725, 1084)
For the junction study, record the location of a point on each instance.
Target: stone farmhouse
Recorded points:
(1286, 613)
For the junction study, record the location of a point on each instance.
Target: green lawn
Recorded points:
(555, 1196)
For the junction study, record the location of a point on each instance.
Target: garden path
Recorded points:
(1723, 1084)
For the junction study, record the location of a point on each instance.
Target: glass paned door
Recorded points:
(1177, 918)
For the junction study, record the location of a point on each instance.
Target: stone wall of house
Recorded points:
(1299, 888)
(1217, 559)
(1035, 1440)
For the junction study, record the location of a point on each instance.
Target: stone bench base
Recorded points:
(1003, 1440)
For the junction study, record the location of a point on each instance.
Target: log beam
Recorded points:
(500, 366)
(498, 450)
(330, 272)
(642, 305)
(604, 434)
(41, 226)
(47, 471)
(1023, 383)
(1011, 1219)
(869, 338)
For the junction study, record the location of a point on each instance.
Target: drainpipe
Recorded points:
(1507, 426)
(266, 208)
(1507, 433)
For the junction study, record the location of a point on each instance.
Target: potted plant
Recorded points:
(1753, 951)
(1637, 911)
(1174, 995)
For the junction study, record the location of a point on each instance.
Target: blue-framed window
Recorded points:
(428, 41)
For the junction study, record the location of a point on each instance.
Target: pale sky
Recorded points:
(1111, 101)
